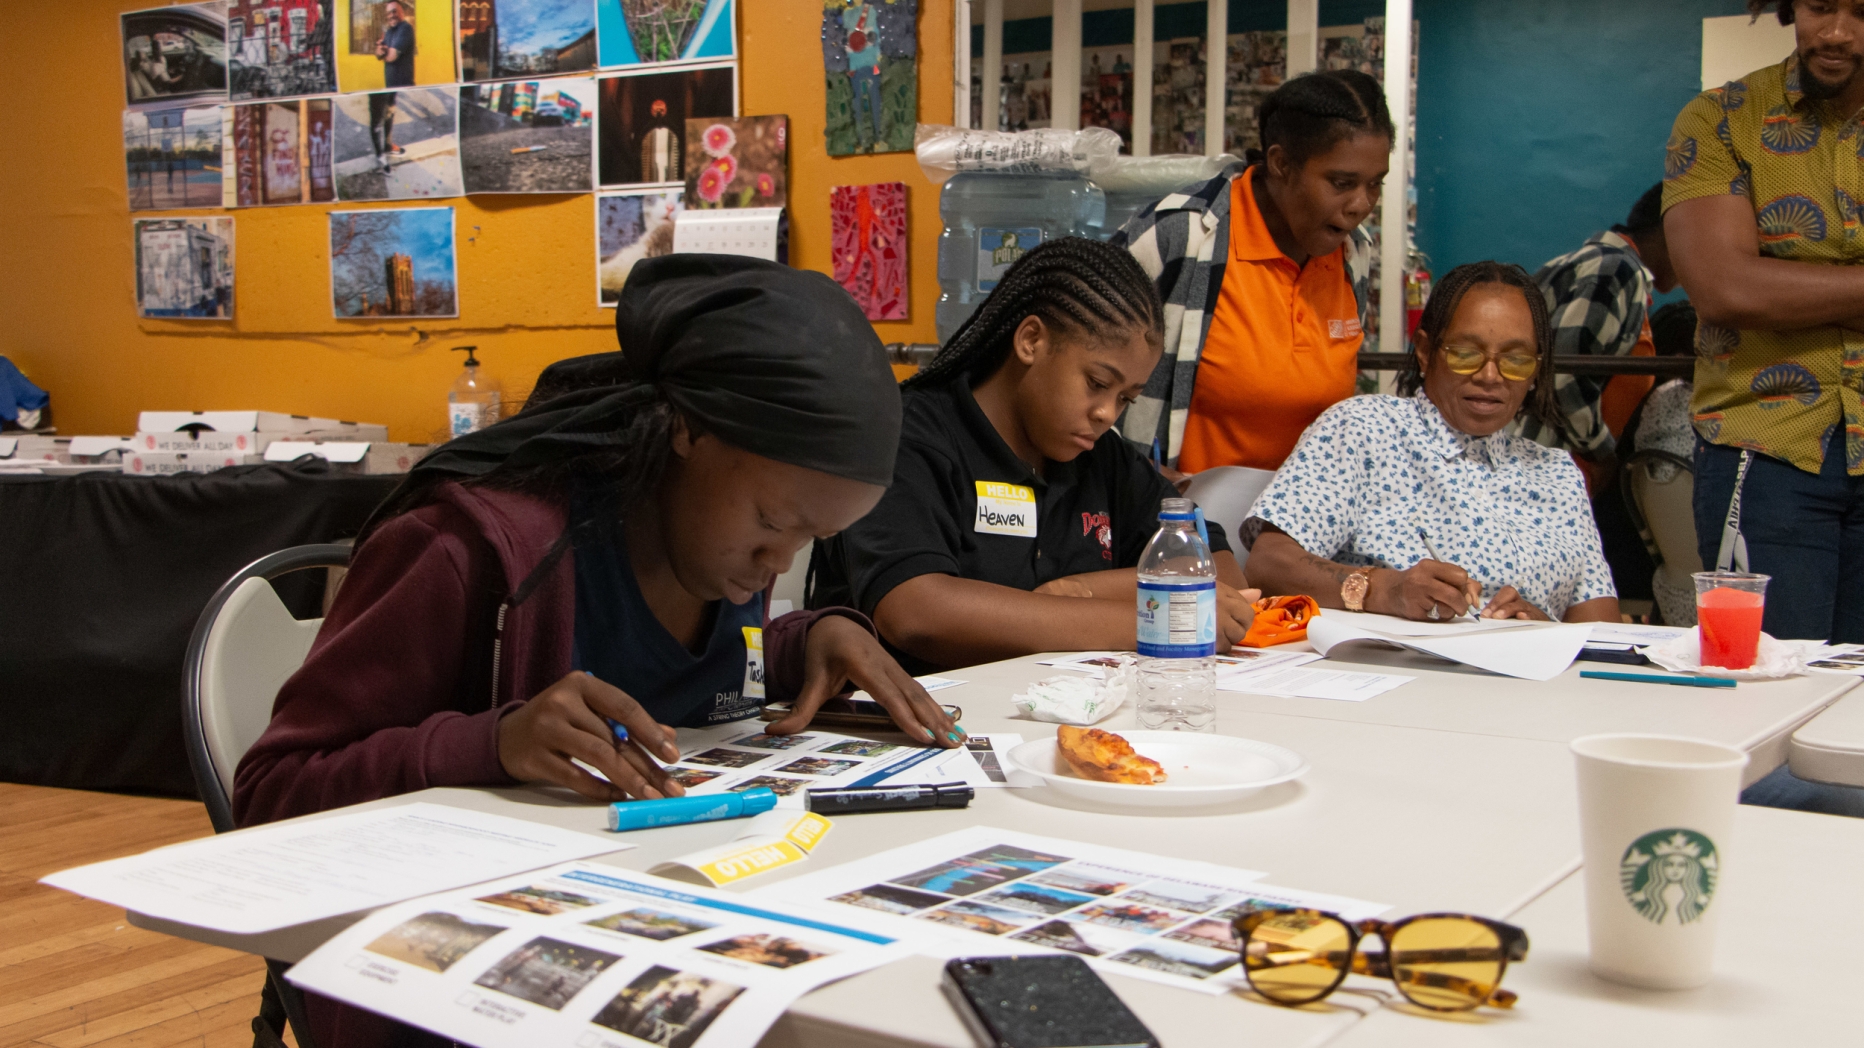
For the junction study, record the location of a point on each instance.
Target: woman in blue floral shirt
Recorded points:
(1380, 486)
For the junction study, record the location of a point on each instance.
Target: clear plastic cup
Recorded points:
(1728, 612)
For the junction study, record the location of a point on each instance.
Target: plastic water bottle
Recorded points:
(1177, 673)
(991, 219)
(473, 402)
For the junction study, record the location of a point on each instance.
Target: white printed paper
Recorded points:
(789, 764)
(1529, 650)
(276, 876)
(591, 957)
(986, 890)
(1310, 683)
(1397, 627)
(977, 763)
(1633, 633)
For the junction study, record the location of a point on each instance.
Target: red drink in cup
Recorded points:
(1728, 612)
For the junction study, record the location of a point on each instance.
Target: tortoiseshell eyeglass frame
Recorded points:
(1513, 947)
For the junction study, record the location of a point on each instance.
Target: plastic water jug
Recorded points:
(992, 219)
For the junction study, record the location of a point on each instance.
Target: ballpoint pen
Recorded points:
(1475, 598)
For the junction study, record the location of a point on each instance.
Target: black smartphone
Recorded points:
(1041, 1002)
(860, 714)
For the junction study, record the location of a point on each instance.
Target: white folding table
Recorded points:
(1453, 792)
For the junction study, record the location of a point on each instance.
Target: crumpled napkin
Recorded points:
(1069, 699)
(1280, 620)
(1773, 659)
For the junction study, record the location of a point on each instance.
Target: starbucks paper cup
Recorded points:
(1655, 812)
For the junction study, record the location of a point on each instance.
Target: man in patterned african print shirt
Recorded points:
(1764, 179)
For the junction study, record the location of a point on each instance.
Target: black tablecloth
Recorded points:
(102, 577)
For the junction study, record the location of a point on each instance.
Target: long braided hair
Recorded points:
(1447, 295)
(1072, 283)
(1308, 114)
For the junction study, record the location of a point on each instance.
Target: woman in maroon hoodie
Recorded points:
(599, 557)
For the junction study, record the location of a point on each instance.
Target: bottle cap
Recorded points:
(758, 799)
(471, 361)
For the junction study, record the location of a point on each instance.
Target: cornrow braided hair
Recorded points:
(1308, 114)
(1071, 283)
(1447, 296)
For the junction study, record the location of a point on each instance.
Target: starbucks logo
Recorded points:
(1668, 873)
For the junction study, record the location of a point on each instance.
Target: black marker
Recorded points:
(857, 799)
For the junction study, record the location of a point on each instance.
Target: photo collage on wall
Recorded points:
(260, 103)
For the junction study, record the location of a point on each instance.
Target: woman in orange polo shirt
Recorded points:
(1272, 273)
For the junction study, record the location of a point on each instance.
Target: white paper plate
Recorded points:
(1199, 769)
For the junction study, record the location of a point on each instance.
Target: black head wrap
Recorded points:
(776, 361)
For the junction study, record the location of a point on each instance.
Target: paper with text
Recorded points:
(276, 876)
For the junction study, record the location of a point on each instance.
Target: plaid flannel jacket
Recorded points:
(1182, 242)
(1596, 300)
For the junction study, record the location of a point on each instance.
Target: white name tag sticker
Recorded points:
(1006, 509)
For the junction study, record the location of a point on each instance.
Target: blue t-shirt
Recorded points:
(619, 641)
(400, 72)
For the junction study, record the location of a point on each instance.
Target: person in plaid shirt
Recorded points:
(1598, 299)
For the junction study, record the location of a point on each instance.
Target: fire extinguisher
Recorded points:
(1416, 290)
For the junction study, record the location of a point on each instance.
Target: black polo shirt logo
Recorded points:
(1006, 509)
(1099, 525)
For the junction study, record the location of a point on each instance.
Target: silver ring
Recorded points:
(1433, 611)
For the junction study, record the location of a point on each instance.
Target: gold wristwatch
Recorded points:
(1353, 590)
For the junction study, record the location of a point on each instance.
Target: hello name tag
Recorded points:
(1006, 509)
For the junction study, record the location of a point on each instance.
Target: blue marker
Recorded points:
(1659, 678)
(620, 730)
(678, 811)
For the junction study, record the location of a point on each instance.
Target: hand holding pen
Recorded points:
(1508, 602)
(1468, 589)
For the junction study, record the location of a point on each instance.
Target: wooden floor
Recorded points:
(73, 972)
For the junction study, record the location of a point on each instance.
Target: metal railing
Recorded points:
(1565, 364)
(917, 354)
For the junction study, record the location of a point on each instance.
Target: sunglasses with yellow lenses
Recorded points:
(1446, 962)
(1516, 365)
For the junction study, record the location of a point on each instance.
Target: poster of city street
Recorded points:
(184, 268)
(398, 145)
(529, 136)
(173, 157)
(393, 263)
(280, 49)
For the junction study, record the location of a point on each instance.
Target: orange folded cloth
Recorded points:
(1280, 620)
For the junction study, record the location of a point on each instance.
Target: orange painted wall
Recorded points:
(526, 264)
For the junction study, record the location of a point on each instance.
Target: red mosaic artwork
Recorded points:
(868, 231)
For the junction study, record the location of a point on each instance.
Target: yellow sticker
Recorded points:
(1006, 509)
(753, 662)
(808, 831)
(749, 862)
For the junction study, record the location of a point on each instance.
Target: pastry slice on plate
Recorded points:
(1105, 757)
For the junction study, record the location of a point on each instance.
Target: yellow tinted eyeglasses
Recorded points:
(1446, 962)
(1516, 365)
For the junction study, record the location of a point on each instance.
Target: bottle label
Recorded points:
(1178, 620)
(997, 249)
(1006, 509)
(462, 418)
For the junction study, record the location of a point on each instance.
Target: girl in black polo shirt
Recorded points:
(1016, 513)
